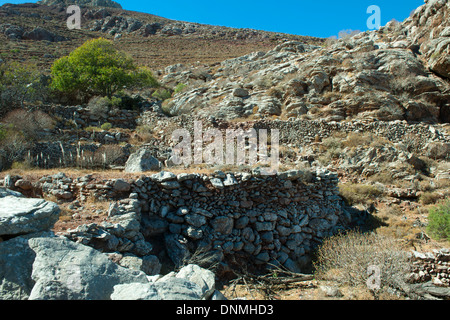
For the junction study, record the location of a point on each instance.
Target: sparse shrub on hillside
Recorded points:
(346, 258)
(348, 33)
(354, 193)
(20, 128)
(332, 147)
(29, 123)
(179, 88)
(99, 105)
(145, 133)
(12, 143)
(102, 105)
(162, 94)
(429, 197)
(19, 84)
(275, 92)
(439, 221)
(355, 139)
(106, 126)
(97, 68)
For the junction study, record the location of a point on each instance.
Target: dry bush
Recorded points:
(13, 145)
(429, 197)
(145, 133)
(333, 149)
(354, 193)
(346, 257)
(202, 257)
(355, 139)
(30, 123)
(275, 92)
(99, 105)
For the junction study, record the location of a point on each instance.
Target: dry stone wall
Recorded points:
(276, 219)
(268, 219)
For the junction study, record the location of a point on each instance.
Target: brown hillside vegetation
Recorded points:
(155, 51)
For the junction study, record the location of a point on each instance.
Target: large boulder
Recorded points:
(16, 261)
(168, 288)
(204, 278)
(142, 161)
(65, 270)
(20, 216)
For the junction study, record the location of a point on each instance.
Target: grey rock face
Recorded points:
(16, 261)
(6, 192)
(135, 291)
(40, 34)
(150, 265)
(205, 279)
(21, 215)
(178, 289)
(169, 288)
(64, 270)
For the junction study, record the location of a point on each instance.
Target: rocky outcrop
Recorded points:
(373, 76)
(429, 28)
(40, 34)
(37, 265)
(21, 216)
(89, 3)
(14, 32)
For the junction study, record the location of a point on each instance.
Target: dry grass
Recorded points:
(35, 174)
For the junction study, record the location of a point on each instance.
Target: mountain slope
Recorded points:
(151, 40)
(400, 72)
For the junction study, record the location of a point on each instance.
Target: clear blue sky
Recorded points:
(313, 18)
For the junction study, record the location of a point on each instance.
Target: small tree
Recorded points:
(97, 68)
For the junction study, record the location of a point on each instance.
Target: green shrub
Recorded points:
(439, 221)
(97, 68)
(179, 88)
(162, 94)
(106, 126)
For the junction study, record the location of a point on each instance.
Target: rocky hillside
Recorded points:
(38, 33)
(89, 3)
(400, 72)
(364, 138)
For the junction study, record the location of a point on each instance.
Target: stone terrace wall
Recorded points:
(266, 219)
(300, 132)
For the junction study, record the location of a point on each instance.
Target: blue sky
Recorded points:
(312, 18)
